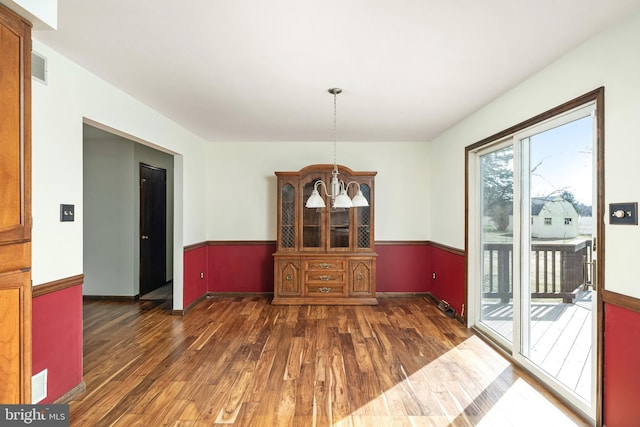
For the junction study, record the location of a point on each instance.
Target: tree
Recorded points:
(581, 208)
(497, 190)
(497, 186)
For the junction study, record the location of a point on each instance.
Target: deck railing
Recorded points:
(558, 270)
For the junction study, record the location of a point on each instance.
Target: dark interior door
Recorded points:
(153, 218)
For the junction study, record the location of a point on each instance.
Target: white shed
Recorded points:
(553, 218)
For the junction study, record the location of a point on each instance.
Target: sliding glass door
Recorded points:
(531, 235)
(557, 234)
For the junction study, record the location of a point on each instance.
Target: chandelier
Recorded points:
(338, 195)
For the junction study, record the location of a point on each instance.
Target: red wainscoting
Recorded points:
(195, 273)
(621, 373)
(449, 266)
(403, 267)
(57, 339)
(240, 266)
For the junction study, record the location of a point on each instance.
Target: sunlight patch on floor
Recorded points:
(520, 400)
(447, 394)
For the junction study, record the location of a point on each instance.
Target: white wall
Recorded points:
(241, 185)
(108, 218)
(59, 108)
(222, 191)
(611, 60)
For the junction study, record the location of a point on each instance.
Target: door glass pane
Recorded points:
(558, 328)
(311, 221)
(496, 240)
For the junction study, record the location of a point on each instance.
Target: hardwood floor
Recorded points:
(162, 293)
(243, 361)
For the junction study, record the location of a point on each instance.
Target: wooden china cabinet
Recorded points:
(324, 255)
(15, 208)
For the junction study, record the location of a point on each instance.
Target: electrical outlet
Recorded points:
(39, 386)
(202, 275)
(434, 275)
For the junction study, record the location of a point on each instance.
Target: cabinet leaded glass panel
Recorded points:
(288, 230)
(364, 220)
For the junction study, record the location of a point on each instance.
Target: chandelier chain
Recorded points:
(335, 132)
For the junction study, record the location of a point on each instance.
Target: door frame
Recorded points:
(176, 181)
(596, 96)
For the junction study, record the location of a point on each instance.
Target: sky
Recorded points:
(566, 156)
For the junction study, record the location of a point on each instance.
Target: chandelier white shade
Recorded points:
(339, 197)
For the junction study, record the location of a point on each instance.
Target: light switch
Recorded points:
(66, 213)
(623, 213)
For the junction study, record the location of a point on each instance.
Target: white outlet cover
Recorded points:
(39, 387)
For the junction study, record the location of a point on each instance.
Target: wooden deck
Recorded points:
(246, 362)
(561, 338)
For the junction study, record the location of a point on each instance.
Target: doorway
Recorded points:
(153, 219)
(111, 209)
(534, 197)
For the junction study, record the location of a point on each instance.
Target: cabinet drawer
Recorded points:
(328, 290)
(325, 265)
(327, 278)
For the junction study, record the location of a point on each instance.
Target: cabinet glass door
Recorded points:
(339, 228)
(311, 220)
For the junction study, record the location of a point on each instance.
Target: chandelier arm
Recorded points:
(352, 182)
(343, 187)
(321, 183)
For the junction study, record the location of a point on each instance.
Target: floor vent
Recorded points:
(38, 387)
(38, 67)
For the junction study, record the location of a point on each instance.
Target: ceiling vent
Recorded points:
(38, 67)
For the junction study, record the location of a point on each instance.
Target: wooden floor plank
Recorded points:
(242, 361)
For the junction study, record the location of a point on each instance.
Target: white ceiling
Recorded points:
(252, 70)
